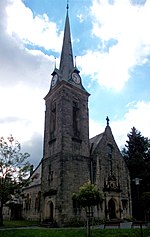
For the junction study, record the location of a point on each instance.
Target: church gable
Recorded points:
(105, 145)
(107, 157)
(35, 178)
(110, 174)
(31, 196)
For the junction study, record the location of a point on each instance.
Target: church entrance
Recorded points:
(49, 214)
(112, 209)
(51, 207)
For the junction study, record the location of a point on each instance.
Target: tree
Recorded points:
(14, 168)
(137, 156)
(146, 205)
(87, 197)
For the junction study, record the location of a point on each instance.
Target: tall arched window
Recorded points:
(76, 110)
(52, 121)
(110, 152)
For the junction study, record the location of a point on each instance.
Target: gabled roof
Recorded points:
(35, 178)
(94, 141)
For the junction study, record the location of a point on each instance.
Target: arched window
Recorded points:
(76, 110)
(109, 150)
(27, 202)
(52, 121)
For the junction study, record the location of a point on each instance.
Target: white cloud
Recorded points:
(138, 116)
(80, 17)
(21, 111)
(36, 30)
(95, 128)
(128, 25)
(22, 115)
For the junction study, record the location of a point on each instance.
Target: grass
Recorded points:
(63, 232)
(19, 223)
(72, 233)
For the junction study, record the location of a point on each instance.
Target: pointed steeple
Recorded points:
(66, 61)
(67, 71)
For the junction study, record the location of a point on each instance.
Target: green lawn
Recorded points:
(72, 233)
(20, 223)
(63, 232)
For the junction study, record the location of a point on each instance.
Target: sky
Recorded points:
(111, 42)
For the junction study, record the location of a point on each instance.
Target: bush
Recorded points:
(75, 223)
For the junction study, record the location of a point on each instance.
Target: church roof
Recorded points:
(67, 70)
(66, 61)
(35, 178)
(94, 141)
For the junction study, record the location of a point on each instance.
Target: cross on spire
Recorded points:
(75, 61)
(67, 5)
(107, 119)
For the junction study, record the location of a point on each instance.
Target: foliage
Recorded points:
(14, 168)
(75, 223)
(13, 163)
(146, 200)
(88, 195)
(137, 156)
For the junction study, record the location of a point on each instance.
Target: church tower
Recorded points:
(66, 162)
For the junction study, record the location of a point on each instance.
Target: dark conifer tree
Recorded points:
(137, 156)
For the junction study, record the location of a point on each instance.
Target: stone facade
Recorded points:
(31, 196)
(111, 176)
(70, 158)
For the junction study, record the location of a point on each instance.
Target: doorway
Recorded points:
(112, 209)
(51, 208)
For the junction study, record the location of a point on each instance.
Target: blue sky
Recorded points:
(111, 42)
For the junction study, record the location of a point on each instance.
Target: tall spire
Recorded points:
(66, 61)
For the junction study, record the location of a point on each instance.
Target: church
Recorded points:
(70, 158)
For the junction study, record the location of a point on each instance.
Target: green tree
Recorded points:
(88, 197)
(146, 205)
(137, 156)
(14, 169)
